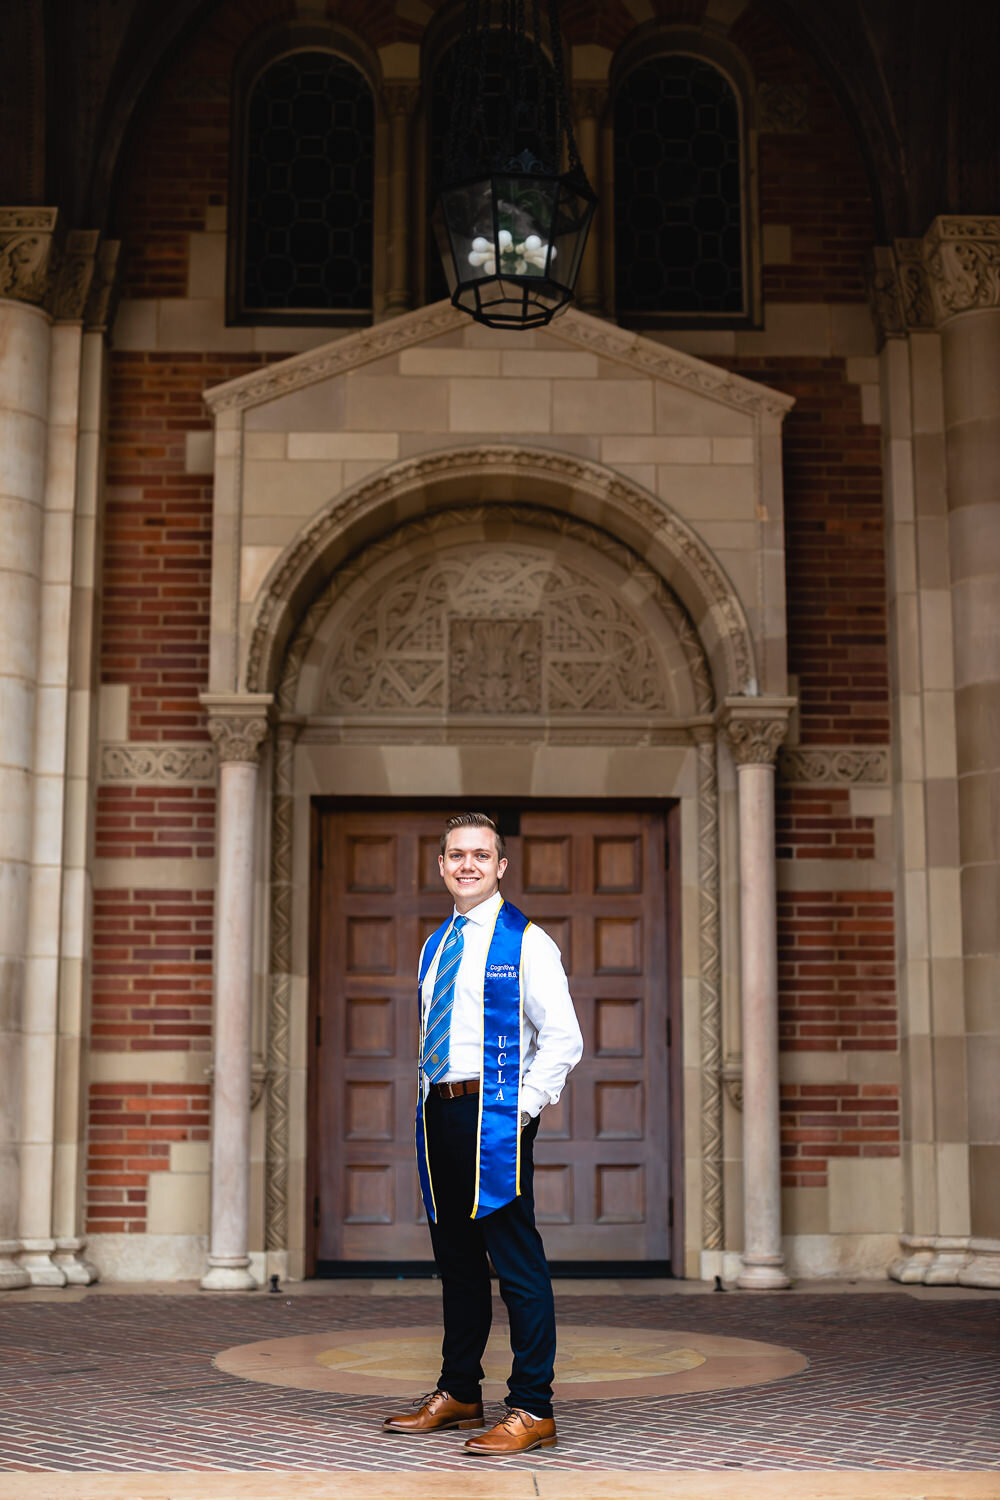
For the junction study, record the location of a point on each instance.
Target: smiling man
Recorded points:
(498, 1036)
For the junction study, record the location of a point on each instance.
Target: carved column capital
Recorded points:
(238, 723)
(590, 99)
(962, 255)
(27, 251)
(755, 728)
(899, 289)
(401, 98)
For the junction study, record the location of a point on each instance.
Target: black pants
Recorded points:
(515, 1247)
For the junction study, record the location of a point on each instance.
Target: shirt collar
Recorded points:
(485, 911)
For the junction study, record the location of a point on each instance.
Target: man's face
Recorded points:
(470, 866)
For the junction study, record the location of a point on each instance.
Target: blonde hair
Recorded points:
(472, 820)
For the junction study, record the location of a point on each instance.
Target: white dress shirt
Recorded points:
(551, 1043)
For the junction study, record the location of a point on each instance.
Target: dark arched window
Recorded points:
(679, 210)
(494, 125)
(305, 248)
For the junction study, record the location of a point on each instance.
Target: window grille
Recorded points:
(308, 193)
(680, 219)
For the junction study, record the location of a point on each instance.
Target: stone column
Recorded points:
(589, 103)
(26, 236)
(962, 255)
(238, 724)
(401, 101)
(756, 728)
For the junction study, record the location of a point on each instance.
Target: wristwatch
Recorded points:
(525, 1118)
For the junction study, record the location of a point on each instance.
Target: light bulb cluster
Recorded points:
(525, 258)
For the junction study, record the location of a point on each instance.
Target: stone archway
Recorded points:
(322, 652)
(498, 475)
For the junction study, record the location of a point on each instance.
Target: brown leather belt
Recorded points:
(455, 1090)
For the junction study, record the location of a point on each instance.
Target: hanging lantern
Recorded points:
(510, 224)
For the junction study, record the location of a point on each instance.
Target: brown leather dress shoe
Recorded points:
(518, 1432)
(437, 1413)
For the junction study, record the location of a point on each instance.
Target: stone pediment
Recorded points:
(575, 329)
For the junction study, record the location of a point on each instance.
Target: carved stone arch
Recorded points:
(440, 537)
(501, 475)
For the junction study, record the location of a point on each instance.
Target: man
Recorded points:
(498, 1036)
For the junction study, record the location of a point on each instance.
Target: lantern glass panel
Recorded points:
(571, 223)
(525, 208)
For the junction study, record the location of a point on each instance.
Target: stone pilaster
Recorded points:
(962, 256)
(238, 724)
(940, 296)
(755, 729)
(401, 101)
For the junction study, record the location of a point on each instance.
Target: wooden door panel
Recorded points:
(594, 881)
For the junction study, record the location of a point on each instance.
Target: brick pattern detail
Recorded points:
(131, 1126)
(815, 182)
(816, 823)
(834, 551)
(836, 971)
(149, 822)
(158, 538)
(820, 1120)
(152, 971)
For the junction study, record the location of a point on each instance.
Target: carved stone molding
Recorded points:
(27, 250)
(575, 327)
(920, 284)
(74, 273)
(170, 765)
(514, 631)
(271, 624)
(732, 1081)
(589, 100)
(710, 994)
(962, 255)
(756, 728)
(401, 98)
(238, 739)
(238, 724)
(783, 108)
(834, 765)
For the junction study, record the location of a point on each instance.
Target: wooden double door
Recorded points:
(595, 881)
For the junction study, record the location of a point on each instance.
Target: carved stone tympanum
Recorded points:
(511, 630)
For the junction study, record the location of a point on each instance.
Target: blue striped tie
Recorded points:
(438, 1027)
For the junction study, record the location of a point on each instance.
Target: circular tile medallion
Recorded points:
(592, 1363)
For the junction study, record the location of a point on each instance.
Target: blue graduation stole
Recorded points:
(498, 1159)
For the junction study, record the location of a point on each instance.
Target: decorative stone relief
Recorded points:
(918, 284)
(74, 274)
(238, 738)
(783, 108)
(962, 255)
(543, 638)
(166, 764)
(836, 765)
(593, 481)
(755, 741)
(26, 252)
(495, 666)
(279, 1004)
(710, 994)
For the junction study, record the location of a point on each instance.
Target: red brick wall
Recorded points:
(834, 551)
(155, 822)
(837, 993)
(152, 967)
(815, 822)
(131, 1128)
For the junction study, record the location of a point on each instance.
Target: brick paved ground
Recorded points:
(126, 1383)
